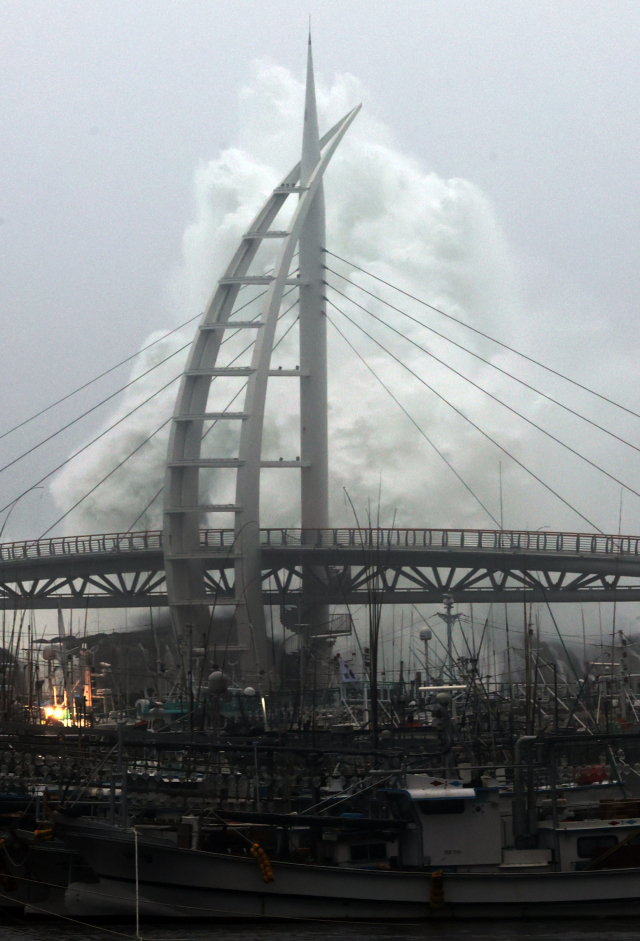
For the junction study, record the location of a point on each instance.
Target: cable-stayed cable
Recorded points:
(157, 494)
(90, 443)
(488, 362)
(92, 409)
(106, 477)
(469, 420)
(127, 385)
(96, 378)
(102, 435)
(414, 422)
(495, 398)
(118, 365)
(487, 336)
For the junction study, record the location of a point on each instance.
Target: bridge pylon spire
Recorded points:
(313, 330)
(314, 435)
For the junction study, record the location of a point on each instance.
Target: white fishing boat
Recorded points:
(447, 851)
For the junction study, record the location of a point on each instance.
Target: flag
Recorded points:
(346, 673)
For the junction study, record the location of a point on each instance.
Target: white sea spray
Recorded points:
(437, 239)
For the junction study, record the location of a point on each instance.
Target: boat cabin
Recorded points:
(580, 844)
(450, 826)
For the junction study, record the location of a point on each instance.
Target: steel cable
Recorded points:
(477, 356)
(470, 421)
(414, 423)
(495, 398)
(155, 497)
(131, 454)
(487, 336)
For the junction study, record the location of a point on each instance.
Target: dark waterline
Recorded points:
(14, 928)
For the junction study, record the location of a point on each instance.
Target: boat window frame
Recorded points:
(597, 844)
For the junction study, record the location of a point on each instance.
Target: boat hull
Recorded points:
(190, 884)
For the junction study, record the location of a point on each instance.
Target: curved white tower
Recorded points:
(185, 505)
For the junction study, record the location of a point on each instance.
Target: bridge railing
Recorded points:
(509, 541)
(377, 539)
(80, 545)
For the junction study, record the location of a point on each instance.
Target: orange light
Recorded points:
(54, 712)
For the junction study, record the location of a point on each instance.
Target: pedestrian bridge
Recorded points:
(344, 565)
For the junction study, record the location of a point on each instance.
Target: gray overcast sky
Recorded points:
(108, 107)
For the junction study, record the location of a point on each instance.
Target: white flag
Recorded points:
(347, 674)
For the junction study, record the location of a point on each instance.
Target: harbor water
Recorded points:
(12, 929)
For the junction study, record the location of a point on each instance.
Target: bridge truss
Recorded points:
(337, 566)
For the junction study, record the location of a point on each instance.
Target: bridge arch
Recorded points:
(184, 505)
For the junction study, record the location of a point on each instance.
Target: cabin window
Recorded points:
(452, 805)
(590, 846)
(365, 852)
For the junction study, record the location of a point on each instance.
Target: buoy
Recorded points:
(263, 861)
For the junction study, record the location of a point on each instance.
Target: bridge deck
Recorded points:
(403, 565)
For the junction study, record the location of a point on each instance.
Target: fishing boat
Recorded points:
(445, 850)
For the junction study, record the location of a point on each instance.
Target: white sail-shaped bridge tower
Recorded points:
(186, 496)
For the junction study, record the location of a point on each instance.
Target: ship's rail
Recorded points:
(367, 539)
